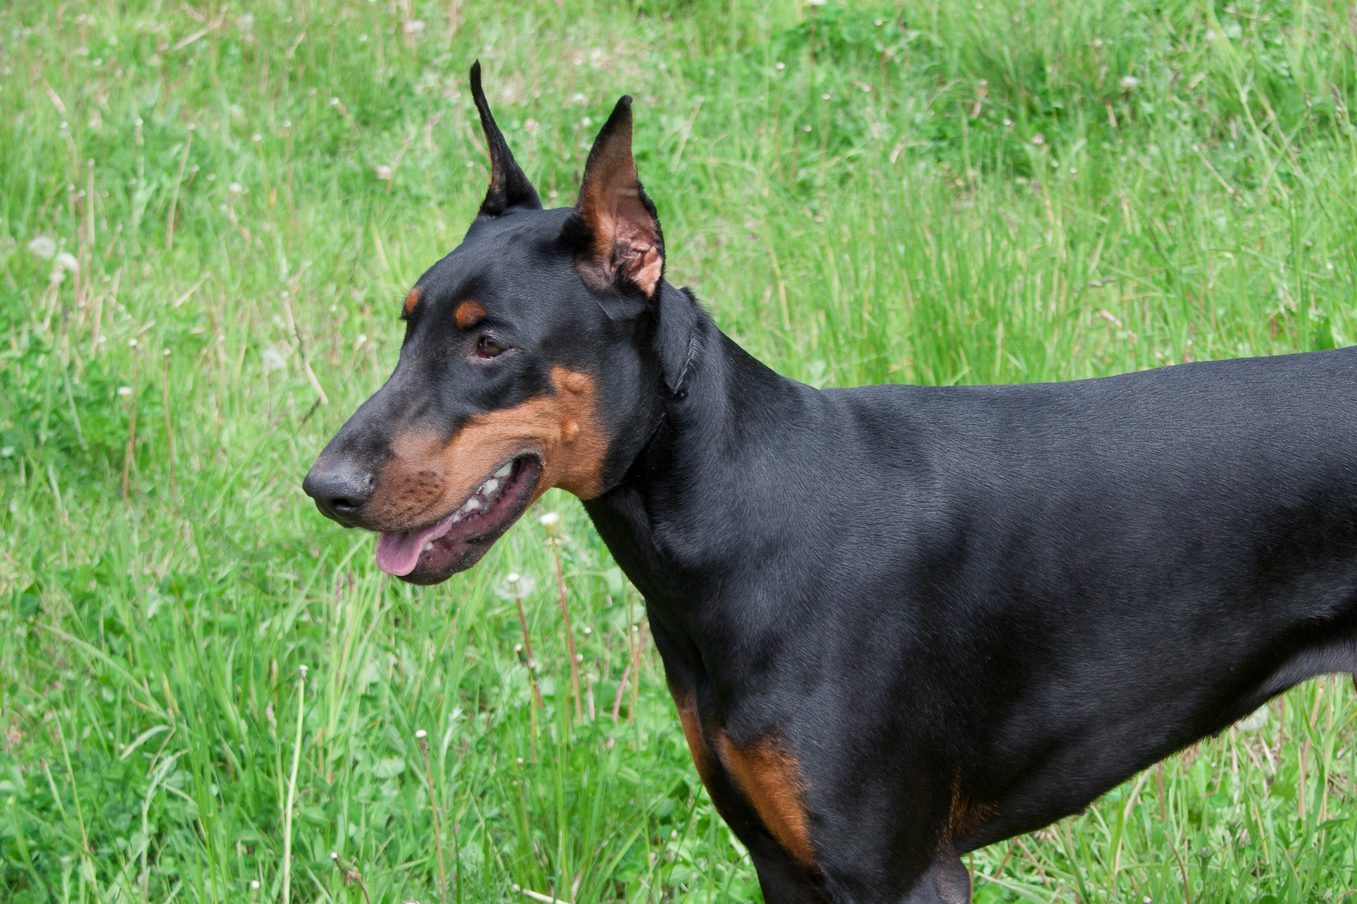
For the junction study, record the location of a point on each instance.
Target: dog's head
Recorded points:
(522, 368)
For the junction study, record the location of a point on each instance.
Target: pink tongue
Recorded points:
(398, 553)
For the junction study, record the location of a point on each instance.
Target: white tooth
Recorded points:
(457, 516)
(489, 486)
(428, 546)
(504, 471)
(471, 504)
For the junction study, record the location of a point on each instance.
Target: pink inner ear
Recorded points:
(627, 234)
(635, 254)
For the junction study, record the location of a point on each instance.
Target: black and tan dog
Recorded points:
(899, 622)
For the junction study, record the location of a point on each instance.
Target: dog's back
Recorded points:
(1078, 566)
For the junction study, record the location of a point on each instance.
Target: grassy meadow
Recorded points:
(208, 216)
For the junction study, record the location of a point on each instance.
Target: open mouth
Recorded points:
(434, 553)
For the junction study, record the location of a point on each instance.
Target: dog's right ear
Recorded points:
(508, 186)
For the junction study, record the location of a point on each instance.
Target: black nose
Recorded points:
(339, 488)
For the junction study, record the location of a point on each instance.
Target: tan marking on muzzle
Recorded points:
(427, 479)
(770, 780)
(412, 301)
(468, 314)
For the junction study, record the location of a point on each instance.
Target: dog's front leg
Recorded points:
(783, 880)
(946, 882)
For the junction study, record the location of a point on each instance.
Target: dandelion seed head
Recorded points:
(273, 359)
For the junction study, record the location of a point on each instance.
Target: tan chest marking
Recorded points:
(770, 780)
(692, 733)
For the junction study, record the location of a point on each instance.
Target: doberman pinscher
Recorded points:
(899, 622)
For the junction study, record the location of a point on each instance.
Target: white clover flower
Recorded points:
(43, 246)
(124, 391)
(1128, 82)
(385, 172)
(66, 261)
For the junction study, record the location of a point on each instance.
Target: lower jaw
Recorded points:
(429, 573)
(443, 561)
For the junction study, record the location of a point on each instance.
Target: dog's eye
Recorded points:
(486, 347)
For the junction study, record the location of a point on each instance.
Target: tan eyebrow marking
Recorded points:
(412, 301)
(468, 314)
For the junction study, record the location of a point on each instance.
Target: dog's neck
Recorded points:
(669, 522)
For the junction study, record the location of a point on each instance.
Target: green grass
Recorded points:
(936, 193)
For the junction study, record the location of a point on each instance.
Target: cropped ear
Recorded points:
(508, 186)
(617, 236)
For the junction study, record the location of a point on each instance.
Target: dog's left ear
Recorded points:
(508, 186)
(615, 232)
